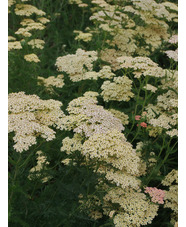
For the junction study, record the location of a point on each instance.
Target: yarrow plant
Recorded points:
(29, 117)
(93, 125)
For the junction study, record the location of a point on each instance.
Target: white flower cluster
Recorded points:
(134, 207)
(86, 37)
(72, 144)
(173, 39)
(31, 58)
(74, 64)
(141, 65)
(122, 179)
(150, 87)
(28, 10)
(11, 3)
(15, 45)
(36, 43)
(173, 54)
(119, 89)
(164, 115)
(88, 118)
(110, 56)
(30, 117)
(171, 177)
(171, 196)
(157, 9)
(104, 73)
(120, 115)
(51, 81)
(111, 147)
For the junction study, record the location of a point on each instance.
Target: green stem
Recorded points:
(135, 110)
(14, 179)
(157, 168)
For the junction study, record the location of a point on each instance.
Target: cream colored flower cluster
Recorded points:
(162, 121)
(170, 80)
(150, 87)
(23, 32)
(15, 45)
(173, 39)
(134, 207)
(51, 81)
(88, 118)
(125, 41)
(109, 17)
(171, 196)
(110, 165)
(119, 89)
(11, 38)
(173, 54)
(29, 26)
(41, 165)
(120, 165)
(156, 29)
(168, 101)
(141, 65)
(74, 64)
(121, 178)
(30, 117)
(26, 21)
(152, 35)
(71, 145)
(111, 147)
(104, 73)
(110, 56)
(164, 115)
(28, 10)
(36, 43)
(171, 177)
(43, 20)
(171, 6)
(125, 29)
(86, 37)
(31, 58)
(159, 10)
(173, 132)
(120, 115)
(11, 3)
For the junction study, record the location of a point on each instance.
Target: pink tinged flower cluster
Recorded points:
(157, 195)
(137, 117)
(143, 124)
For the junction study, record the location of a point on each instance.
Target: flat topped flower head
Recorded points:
(143, 124)
(30, 117)
(31, 58)
(137, 117)
(157, 195)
